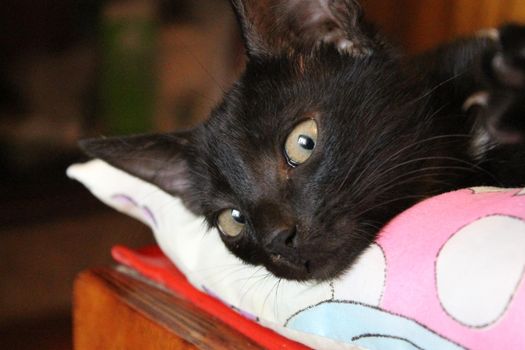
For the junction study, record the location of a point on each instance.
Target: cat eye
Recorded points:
(231, 222)
(301, 142)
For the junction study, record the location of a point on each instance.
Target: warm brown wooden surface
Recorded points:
(421, 24)
(114, 310)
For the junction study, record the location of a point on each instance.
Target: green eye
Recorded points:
(301, 142)
(231, 222)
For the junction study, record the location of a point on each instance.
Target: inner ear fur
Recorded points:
(279, 27)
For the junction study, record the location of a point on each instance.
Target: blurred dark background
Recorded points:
(71, 69)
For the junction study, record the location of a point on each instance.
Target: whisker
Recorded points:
(267, 296)
(394, 156)
(437, 86)
(414, 179)
(390, 201)
(276, 302)
(256, 270)
(214, 278)
(355, 162)
(424, 175)
(199, 62)
(257, 281)
(437, 158)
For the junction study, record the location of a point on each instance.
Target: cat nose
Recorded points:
(282, 239)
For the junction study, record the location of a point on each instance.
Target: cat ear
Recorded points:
(155, 158)
(276, 27)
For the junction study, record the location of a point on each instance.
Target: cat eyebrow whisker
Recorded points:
(199, 62)
(437, 86)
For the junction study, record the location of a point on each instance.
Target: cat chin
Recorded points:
(309, 271)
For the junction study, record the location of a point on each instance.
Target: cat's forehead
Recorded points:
(273, 96)
(243, 141)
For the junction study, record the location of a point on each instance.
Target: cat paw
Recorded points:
(504, 102)
(506, 66)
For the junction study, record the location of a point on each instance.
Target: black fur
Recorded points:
(392, 131)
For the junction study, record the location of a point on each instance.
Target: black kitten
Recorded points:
(330, 133)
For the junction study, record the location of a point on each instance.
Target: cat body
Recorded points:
(330, 133)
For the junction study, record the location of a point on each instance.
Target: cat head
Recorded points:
(299, 165)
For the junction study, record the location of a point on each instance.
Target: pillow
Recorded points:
(447, 273)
